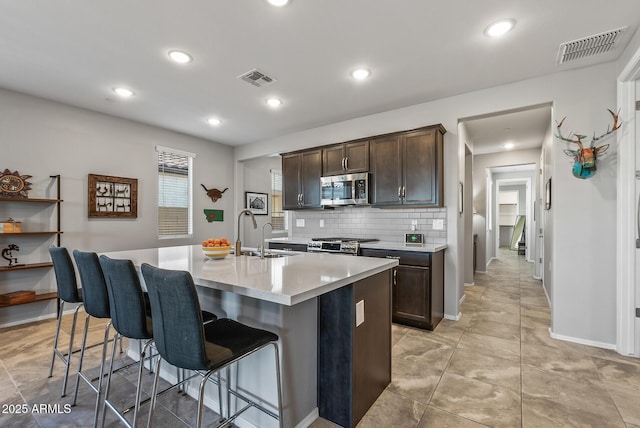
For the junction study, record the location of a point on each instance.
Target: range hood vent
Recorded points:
(589, 46)
(257, 78)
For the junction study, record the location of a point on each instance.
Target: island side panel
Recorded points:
(335, 358)
(354, 362)
(372, 342)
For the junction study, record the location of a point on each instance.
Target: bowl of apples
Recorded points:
(216, 248)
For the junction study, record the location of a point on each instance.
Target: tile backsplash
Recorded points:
(366, 222)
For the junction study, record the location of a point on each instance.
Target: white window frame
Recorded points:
(191, 157)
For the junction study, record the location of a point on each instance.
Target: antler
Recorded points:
(568, 140)
(616, 125)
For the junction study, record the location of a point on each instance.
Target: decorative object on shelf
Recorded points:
(547, 195)
(112, 196)
(13, 184)
(213, 193)
(17, 297)
(584, 165)
(256, 203)
(7, 254)
(10, 226)
(214, 215)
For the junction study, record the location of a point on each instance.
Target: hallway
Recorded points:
(498, 367)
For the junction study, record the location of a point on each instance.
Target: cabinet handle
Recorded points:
(395, 277)
(346, 163)
(404, 192)
(342, 163)
(301, 199)
(399, 193)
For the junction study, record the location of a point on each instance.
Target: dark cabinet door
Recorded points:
(291, 181)
(333, 160)
(386, 171)
(412, 296)
(346, 158)
(356, 156)
(421, 168)
(301, 179)
(310, 172)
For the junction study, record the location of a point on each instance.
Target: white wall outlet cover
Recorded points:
(438, 224)
(321, 223)
(359, 312)
(299, 222)
(414, 222)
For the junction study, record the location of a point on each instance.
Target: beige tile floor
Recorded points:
(496, 367)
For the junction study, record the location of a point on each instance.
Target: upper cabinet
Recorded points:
(346, 158)
(407, 168)
(301, 173)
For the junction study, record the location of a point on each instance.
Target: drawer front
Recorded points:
(409, 258)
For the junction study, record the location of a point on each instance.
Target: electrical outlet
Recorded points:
(359, 312)
(414, 224)
(438, 224)
(299, 222)
(321, 223)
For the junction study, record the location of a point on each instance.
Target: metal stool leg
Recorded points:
(277, 355)
(82, 349)
(70, 354)
(154, 393)
(107, 330)
(55, 341)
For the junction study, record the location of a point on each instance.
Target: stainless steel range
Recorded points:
(349, 246)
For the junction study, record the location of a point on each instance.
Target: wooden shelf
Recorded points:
(26, 266)
(51, 201)
(44, 232)
(39, 298)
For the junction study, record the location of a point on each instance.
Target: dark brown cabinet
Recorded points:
(418, 286)
(407, 168)
(301, 173)
(346, 158)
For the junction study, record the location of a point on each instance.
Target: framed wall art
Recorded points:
(115, 197)
(257, 203)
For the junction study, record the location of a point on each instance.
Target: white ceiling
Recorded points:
(75, 52)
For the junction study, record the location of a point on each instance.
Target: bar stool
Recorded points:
(131, 318)
(67, 293)
(185, 342)
(96, 305)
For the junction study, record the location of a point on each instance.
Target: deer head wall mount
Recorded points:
(584, 165)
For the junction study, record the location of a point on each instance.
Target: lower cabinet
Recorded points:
(418, 286)
(287, 246)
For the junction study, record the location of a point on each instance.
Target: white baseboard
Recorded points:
(484, 272)
(453, 317)
(308, 420)
(587, 342)
(490, 260)
(470, 285)
(539, 278)
(464, 296)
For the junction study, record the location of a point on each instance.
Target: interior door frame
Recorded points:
(627, 287)
(528, 212)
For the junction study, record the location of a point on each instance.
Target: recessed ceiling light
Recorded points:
(360, 74)
(508, 146)
(499, 28)
(278, 3)
(123, 92)
(214, 121)
(274, 102)
(180, 57)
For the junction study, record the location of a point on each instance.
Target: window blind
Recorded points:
(278, 217)
(174, 193)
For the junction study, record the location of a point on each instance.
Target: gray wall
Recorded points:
(51, 138)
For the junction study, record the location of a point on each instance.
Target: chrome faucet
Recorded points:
(262, 247)
(255, 226)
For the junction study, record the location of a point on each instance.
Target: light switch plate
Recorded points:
(299, 222)
(438, 224)
(359, 312)
(321, 223)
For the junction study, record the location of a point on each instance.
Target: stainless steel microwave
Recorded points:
(348, 189)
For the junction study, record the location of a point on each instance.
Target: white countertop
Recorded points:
(284, 280)
(383, 245)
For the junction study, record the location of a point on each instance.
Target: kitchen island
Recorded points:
(331, 312)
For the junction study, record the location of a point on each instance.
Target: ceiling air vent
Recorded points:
(589, 46)
(257, 78)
